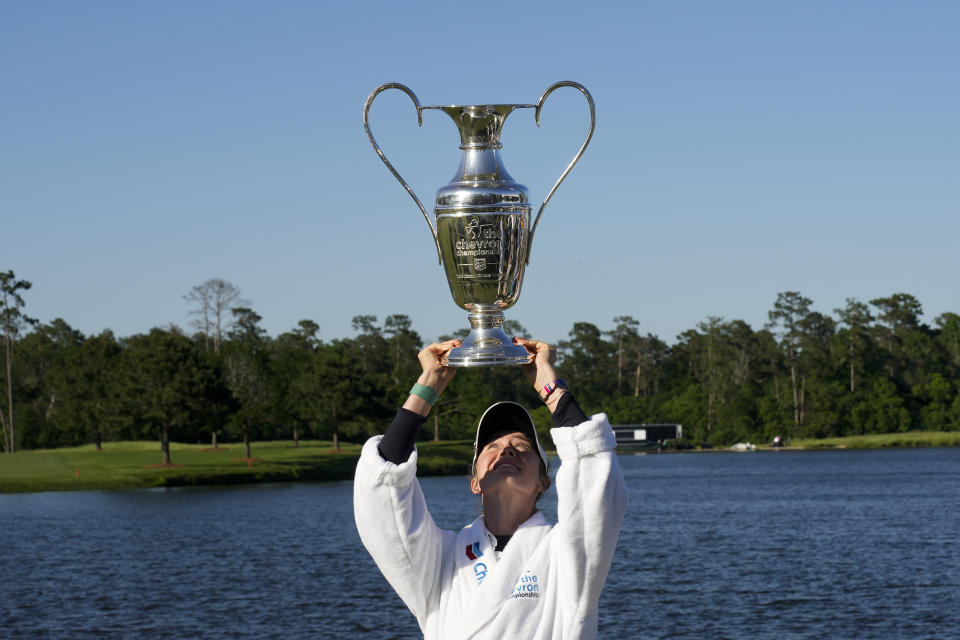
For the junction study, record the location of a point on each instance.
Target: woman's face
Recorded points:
(509, 461)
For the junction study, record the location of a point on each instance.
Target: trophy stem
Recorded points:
(487, 344)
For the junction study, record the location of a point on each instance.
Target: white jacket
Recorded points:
(546, 583)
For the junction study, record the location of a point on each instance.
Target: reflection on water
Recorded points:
(764, 545)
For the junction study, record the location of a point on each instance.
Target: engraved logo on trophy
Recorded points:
(482, 231)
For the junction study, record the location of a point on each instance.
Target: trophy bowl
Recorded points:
(481, 225)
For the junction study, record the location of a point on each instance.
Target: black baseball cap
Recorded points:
(506, 417)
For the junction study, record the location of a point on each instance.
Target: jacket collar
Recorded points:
(498, 585)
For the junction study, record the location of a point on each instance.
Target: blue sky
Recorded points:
(742, 149)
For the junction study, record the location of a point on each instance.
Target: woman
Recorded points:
(509, 574)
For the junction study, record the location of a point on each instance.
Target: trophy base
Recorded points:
(486, 347)
(487, 351)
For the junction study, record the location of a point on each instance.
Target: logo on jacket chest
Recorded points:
(479, 568)
(528, 586)
(473, 550)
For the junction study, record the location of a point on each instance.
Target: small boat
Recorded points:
(743, 446)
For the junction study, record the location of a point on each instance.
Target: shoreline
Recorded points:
(135, 465)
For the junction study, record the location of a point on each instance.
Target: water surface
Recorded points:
(839, 544)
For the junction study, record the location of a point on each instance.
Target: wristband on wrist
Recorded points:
(427, 393)
(550, 387)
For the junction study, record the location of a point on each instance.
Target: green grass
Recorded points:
(135, 465)
(126, 465)
(884, 440)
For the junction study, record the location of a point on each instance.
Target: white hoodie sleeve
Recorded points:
(592, 501)
(397, 529)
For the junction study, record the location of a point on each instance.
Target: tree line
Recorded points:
(870, 368)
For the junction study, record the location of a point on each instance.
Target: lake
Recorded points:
(829, 544)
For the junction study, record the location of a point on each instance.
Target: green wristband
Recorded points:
(428, 393)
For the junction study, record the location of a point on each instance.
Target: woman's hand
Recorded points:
(540, 371)
(435, 374)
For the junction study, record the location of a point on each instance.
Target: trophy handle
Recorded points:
(376, 147)
(593, 124)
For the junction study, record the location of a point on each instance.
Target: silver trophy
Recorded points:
(482, 234)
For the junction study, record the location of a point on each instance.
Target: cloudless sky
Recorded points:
(742, 148)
